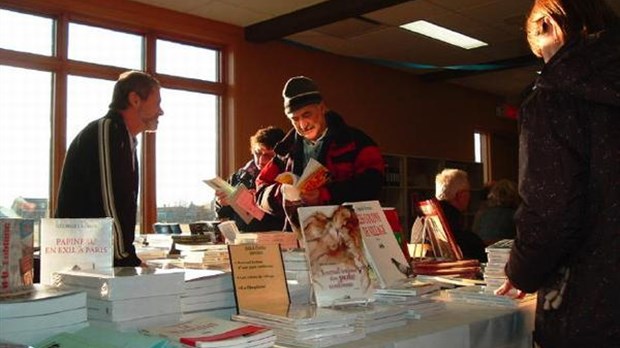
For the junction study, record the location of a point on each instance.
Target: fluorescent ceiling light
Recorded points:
(446, 35)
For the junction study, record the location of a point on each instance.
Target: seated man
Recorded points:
(453, 192)
(352, 158)
(261, 146)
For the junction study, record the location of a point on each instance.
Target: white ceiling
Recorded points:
(377, 37)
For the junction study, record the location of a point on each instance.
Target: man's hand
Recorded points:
(507, 289)
(221, 198)
(311, 197)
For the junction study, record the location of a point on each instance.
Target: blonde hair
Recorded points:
(574, 18)
(449, 182)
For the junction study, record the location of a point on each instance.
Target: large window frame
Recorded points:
(136, 20)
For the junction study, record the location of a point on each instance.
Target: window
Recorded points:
(482, 153)
(17, 31)
(106, 47)
(186, 149)
(187, 61)
(36, 112)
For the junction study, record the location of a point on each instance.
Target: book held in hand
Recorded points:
(240, 199)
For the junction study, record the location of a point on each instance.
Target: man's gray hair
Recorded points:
(449, 182)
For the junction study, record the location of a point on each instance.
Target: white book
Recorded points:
(382, 249)
(213, 332)
(211, 297)
(35, 336)
(410, 288)
(298, 314)
(333, 246)
(122, 282)
(43, 321)
(220, 313)
(139, 323)
(207, 278)
(189, 307)
(478, 294)
(134, 308)
(67, 243)
(43, 299)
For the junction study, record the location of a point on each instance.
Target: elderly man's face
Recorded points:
(309, 121)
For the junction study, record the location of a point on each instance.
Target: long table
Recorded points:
(460, 326)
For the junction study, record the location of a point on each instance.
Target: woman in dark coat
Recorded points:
(568, 227)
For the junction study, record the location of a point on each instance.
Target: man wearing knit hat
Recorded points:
(352, 158)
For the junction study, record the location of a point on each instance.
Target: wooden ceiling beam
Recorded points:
(312, 17)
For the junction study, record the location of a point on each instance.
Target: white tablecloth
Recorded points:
(460, 326)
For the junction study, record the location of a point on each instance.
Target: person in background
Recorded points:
(452, 189)
(568, 225)
(495, 221)
(353, 159)
(261, 147)
(100, 173)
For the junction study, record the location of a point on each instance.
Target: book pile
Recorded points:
(287, 240)
(207, 292)
(377, 316)
(297, 275)
(304, 325)
(212, 332)
(418, 298)
(466, 268)
(43, 312)
(497, 255)
(480, 294)
(127, 298)
(205, 256)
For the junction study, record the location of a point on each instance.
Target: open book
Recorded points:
(240, 199)
(314, 176)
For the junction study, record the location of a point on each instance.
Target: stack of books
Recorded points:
(205, 256)
(128, 298)
(377, 316)
(297, 275)
(40, 313)
(418, 298)
(497, 255)
(207, 293)
(208, 331)
(480, 294)
(287, 240)
(304, 325)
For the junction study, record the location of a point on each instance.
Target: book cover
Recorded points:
(43, 299)
(435, 232)
(212, 332)
(382, 249)
(67, 243)
(16, 255)
(121, 282)
(338, 266)
(314, 176)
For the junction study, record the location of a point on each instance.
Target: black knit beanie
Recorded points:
(298, 92)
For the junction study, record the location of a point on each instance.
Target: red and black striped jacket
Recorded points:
(352, 158)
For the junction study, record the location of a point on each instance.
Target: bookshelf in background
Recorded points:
(408, 177)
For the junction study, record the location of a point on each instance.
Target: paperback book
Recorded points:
(382, 249)
(339, 271)
(16, 256)
(240, 199)
(41, 300)
(213, 332)
(69, 243)
(121, 282)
